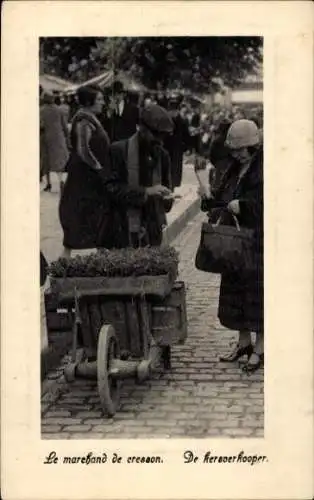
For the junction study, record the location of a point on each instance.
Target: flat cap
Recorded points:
(157, 118)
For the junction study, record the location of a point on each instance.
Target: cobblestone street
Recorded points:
(200, 397)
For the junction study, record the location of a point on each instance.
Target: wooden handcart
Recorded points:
(122, 328)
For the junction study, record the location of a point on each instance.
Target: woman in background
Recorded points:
(83, 202)
(54, 151)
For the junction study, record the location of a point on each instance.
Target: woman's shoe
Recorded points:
(237, 353)
(253, 366)
(47, 188)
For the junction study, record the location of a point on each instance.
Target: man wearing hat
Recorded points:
(176, 144)
(139, 184)
(124, 115)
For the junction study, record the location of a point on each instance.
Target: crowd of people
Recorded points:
(123, 158)
(196, 131)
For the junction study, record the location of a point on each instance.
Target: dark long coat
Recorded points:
(83, 204)
(176, 145)
(115, 232)
(241, 301)
(120, 127)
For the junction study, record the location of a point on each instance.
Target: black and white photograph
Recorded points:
(151, 237)
(156, 276)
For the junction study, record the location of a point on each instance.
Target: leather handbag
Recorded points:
(225, 248)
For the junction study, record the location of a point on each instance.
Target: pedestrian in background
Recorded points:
(194, 131)
(54, 150)
(124, 116)
(241, 301)
(176, 144)
(83, 203)
(61, 101)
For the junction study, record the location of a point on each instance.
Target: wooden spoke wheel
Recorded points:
(108, 386)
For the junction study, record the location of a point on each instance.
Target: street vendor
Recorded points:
(139, 185)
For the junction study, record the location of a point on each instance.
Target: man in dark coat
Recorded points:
(194, 131)
(124, 115)
(139, 185)
(176, 144)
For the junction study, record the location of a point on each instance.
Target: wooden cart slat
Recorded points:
(133, 328)
(169, 317)
(116, 286)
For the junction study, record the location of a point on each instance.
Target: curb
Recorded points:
(176, 227)
(51, 356)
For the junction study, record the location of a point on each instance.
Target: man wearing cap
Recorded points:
(139, 185)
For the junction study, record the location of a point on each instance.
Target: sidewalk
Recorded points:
(184, 209)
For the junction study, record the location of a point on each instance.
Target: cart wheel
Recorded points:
(108, 387)
(166, 357)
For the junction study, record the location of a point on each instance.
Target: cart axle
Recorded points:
(121, 369)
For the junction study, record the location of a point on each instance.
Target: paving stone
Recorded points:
(55, 435)
(61, 421)
(50, 428)
(77, 428)
(86, 435)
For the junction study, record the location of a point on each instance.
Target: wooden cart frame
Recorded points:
(155, 307)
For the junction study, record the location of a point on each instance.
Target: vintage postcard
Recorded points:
(157, 163)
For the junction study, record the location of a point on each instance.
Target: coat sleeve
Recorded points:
(84, 133)
(216, 200)
(116, 181)
(251, 202)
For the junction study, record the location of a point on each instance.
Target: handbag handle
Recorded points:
(235, 221)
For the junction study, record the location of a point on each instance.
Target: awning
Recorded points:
(105, 80)
(247, 96)
(52, 83)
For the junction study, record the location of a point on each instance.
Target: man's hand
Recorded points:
(158, 190)
(234, 207)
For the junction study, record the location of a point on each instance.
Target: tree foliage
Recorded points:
(196, 63)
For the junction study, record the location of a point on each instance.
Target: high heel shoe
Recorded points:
(47, 188)
(251, 366)
(237, 353)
